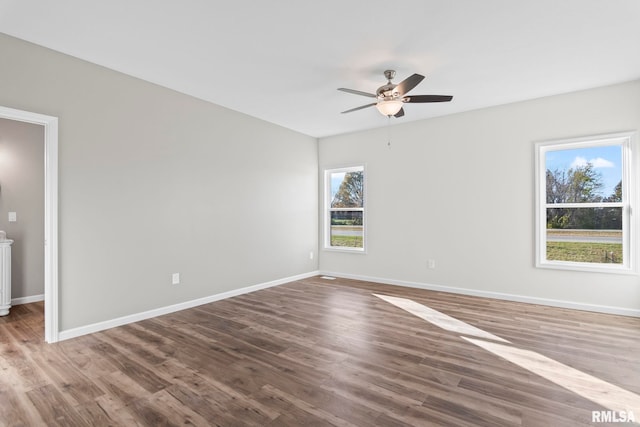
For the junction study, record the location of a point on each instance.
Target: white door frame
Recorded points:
(50, 124)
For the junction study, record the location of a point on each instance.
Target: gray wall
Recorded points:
(22, 191)
(153, 182)
(436, 194)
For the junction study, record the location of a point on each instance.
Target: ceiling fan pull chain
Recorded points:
(389, 132)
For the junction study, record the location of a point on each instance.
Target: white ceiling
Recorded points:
(282, 60)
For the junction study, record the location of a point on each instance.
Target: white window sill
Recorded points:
(587, 268)
(345, 250)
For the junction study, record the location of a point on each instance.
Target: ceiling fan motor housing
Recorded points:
(387, 92)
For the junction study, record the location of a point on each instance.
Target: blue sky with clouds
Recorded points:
(606, 160)
(336, 181)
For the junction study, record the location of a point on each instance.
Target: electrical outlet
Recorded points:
(311, 255)
(431, 263)
(175, 279)
(12, 217)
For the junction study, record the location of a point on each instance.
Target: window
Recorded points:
(585, 192)
(345, 209)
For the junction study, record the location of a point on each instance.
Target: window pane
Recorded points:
(347, 229)
(347, 189)
(585, 235)
(584, 175)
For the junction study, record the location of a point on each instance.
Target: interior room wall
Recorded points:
(460, 190)
(153, 182)
(22, 192)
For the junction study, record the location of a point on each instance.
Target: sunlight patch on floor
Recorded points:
(608, 395)
(439, 319)
(601, 392)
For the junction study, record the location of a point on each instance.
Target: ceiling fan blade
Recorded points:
(428, 98)
(399, 113)
(359, 108)
(357, 92)
(409, 83)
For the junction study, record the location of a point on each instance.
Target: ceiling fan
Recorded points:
(391, 97)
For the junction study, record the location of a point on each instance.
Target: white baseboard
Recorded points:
(27, 300)
(496, 295)
(107, 324)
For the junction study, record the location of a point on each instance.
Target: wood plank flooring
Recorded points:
(317, 353)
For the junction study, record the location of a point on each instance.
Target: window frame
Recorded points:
(627, 141)
(328, 209)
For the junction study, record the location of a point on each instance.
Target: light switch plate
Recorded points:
(12, 217)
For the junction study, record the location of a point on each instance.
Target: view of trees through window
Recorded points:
(347, 208)
(584, 204)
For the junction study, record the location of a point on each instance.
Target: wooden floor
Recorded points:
(316, 353)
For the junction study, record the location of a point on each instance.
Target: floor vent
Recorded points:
(327, 278)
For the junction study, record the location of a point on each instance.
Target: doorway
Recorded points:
(50, 124)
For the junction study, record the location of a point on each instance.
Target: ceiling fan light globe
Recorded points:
(390, 107)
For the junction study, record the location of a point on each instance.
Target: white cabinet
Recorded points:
(5, 276)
